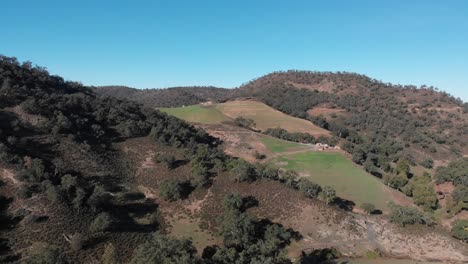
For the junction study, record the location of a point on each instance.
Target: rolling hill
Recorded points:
(87, 178)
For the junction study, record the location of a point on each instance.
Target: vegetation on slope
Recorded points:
(169, 97)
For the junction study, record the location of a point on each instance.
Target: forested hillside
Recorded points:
(87, 178)
(169, 97)
(380, 124)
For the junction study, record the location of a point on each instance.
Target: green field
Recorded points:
(279, 146)
(197, 114)
(333, 169)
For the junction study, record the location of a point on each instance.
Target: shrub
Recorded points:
(427, 163)
(170, 190)
(244, 122)
(309, 188)
(52, 193)
(460, 229)
(166, 159)
(368, 208)
(76, 241)
(43, 253)
(259, 156)
(101, 223)
(109, 256)
(328, 194)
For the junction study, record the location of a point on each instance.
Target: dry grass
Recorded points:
(266, 117)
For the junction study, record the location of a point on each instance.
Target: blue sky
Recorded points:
(225, 43)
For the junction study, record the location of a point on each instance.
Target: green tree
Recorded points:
(403, 167)
(170, 190)
(161, 249)
(407, 215)
(243, 171)
(309, 188)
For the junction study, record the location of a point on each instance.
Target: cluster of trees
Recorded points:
(295, 137)
(245, 239)
(457, 173)
(241, 171)
(170, 97)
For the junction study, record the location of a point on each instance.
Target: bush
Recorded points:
(168, 160)
(76, 241)
(259, 156)
(101, 223)
(43, 253)
(328, 194)
(428, 163)
(460, 230)
(109, 256)
(52, 193)
(170, 190)
(244, 122)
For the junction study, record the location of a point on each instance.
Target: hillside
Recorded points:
(86, 178)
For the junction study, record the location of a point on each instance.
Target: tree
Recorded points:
(161, 249)
(328, 194)
(169, 160)
(423, 192)
(243, 171)
(233, 201)
(101, 223)
(309, 188)
(110, 255)
(460, 229)
(237, 229)
(407, 215)
(403, 167)
(170, 190)
(368, 208)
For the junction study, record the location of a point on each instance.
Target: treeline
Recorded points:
(457, 173)
(168, 97)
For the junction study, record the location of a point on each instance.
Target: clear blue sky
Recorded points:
(225, 43)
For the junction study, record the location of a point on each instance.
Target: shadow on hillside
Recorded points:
(127, 213)
(344, 204)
